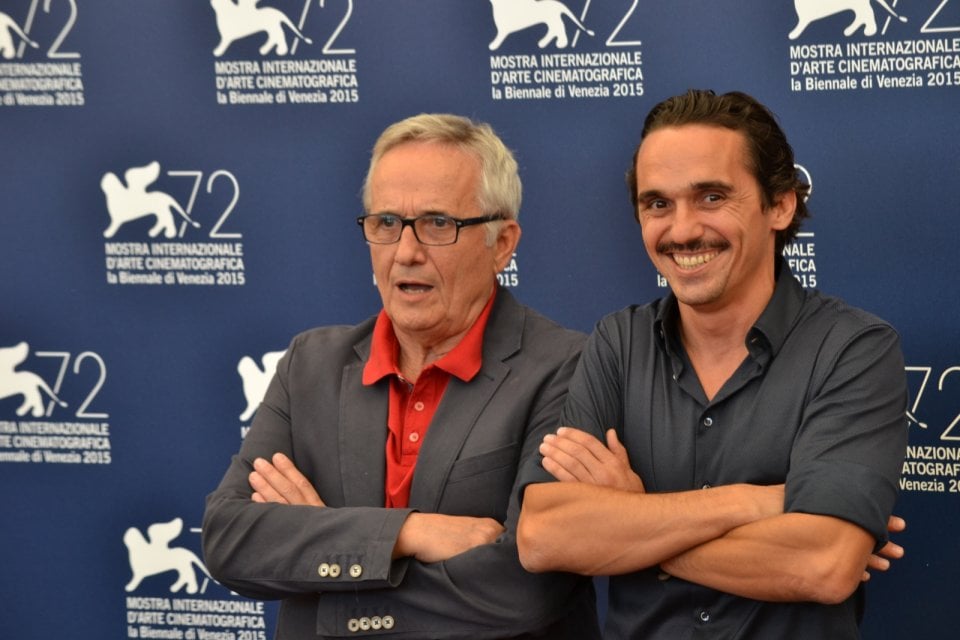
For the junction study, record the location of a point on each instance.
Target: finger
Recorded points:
(590, 452)
(584, 441)
(277, 484)
(896, 524)
(567, 458)
(876, 563)
(616, 448)
(555, 469)
(891, 550)
(306, 493)
(262, 486)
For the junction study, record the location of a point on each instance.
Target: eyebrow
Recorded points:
(428, 212)
(706, 185)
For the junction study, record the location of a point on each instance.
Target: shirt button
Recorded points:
(706, 485)
(418, 406)
(704, 616)
(414, 436)
(355, 570)
(708, 421)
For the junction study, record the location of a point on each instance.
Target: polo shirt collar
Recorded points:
(463, 361)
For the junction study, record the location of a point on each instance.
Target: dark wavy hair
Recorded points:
(769, 154)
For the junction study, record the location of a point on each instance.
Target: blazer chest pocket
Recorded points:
(481, 485)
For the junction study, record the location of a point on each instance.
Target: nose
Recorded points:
(409, 249)
(686, 225)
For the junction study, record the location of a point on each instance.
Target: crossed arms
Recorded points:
(428, 537)
(732, 538)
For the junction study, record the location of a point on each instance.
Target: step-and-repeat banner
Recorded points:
(180, 180)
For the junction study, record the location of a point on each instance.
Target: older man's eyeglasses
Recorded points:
(432, 228)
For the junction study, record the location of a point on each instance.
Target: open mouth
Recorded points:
(414, 287)
(692, 261)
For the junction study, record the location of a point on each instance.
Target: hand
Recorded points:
(880, 561)
(572, 455)
(433, 537)
(281, 482)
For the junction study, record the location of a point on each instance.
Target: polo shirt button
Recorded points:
(323, 570)
(704, 616)
(334, 570)
(388, 622)
(418, 406)
(353, 625)
(708, 421)
(414, 436)
(355, 570)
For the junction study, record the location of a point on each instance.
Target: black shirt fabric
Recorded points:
(819, 404)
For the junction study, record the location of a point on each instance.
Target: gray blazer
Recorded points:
(332, 566)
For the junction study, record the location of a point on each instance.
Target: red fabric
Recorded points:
(412, 405)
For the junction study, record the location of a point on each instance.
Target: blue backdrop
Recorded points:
(132, 346)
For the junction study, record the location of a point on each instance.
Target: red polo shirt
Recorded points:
(412, 404)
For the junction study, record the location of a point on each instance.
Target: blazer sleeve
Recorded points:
(272, 551)
(485, 592)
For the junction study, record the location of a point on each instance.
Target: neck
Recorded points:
(416, 355)
(715, 338)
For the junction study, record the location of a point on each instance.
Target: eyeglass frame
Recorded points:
(458, 223)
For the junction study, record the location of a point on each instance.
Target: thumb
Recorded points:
(616, 448)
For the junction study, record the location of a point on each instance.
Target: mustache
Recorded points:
(691, 247)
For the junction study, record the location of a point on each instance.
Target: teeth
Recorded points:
(689, 262)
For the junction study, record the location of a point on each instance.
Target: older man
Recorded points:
(375, 492)
(758, 428)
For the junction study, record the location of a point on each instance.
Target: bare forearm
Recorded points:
(561, 524)
(789, 558)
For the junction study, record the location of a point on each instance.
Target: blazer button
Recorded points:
(364, 624)
(334, 570)
(355, 570)
(376, 622)
(323, 570)
(388, 622)
(353, 625)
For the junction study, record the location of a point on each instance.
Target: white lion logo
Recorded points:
(811, 10)
(25, 383)
(256, 380)
(153, 555)
(133, 201)
(236, 20)
(511, 16)
(9, 28)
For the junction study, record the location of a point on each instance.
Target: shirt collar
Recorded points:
(463, 361)
(768, 333)
(778, 318)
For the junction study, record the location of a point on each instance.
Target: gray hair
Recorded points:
(500, 190)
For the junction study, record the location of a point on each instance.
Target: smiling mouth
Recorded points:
(688, 261)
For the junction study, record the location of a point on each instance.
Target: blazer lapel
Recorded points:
(464, 402)
(363, 435)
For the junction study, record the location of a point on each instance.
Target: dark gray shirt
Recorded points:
(818, 404)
